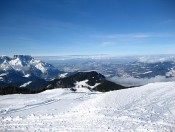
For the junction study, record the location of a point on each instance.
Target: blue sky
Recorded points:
(82, 27)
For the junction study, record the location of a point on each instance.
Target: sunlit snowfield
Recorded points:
(146, 108)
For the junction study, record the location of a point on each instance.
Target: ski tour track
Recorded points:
(153, 110)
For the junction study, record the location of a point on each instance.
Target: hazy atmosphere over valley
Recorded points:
(87, 65)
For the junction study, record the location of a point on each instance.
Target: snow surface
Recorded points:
(147, 108)
(3, 74)
(147, 72)
(84, 84)
(41, 67)
(171, 73)
(63, 75)
(25, 84)
(27, 75)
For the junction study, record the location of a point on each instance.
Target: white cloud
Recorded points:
(130, 81)
(120, 36)
(107, 43)
(150, 59)
(136, 36)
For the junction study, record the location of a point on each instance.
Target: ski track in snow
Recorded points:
(148, 108)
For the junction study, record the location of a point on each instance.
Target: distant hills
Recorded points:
(91, 80)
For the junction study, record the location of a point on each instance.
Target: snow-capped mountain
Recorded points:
(27, 66)
(20, 69)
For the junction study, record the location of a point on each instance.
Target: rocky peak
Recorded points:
(4, 58)
(23, 57)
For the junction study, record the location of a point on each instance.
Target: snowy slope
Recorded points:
(147, 108)
(25, 84)
(84, 84)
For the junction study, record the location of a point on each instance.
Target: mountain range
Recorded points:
(21, 69)
(24, 74)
